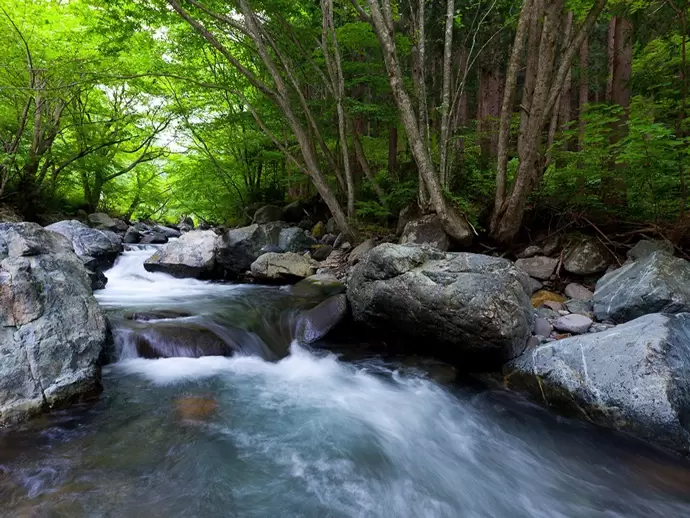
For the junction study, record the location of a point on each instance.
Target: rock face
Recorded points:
(268, 214)
(470, 309)
(426, 231)
(586, 256)
(103, 245)
(295, 239)
(285, 267)
(631, 378)
(541, 268)
(658, 283)
(192, 255)
(53, 332)
(240, 247)
(154, 237)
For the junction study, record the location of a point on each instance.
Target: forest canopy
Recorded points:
(493, 114)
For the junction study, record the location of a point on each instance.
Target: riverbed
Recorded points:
(282, 429)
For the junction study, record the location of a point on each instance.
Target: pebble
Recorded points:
(575, 324)
(542, 327)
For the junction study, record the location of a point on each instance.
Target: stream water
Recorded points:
(308, 435)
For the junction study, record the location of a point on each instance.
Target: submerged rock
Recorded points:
(103, 245)
(657, 283)
(192, 255)
(287, 267)
(316, 323)
(631, 378)
(473, 310)
(53, 333)
(173, 340)
(543, 296)
(426, 231)
(240, 247)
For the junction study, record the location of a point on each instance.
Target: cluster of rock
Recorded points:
(266, 251)
(618, 356)
(613, 346)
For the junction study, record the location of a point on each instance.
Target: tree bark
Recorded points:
(445, 94)
(393, 151)
(514, 62)
(611, 51)
(584, 90)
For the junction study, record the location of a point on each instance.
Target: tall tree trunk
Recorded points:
(444, 141)
(584, 90)
(611, 51)
(364, 164)
(526, 14)
(381, 20)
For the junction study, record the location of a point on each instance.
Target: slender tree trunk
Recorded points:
(611, 51)
(507, 105)
(393, 151)
(444, 141)
(584, 90)
(364, 164)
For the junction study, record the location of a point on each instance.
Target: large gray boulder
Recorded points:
(192, 255)
(238, 248)
(295, 239)
(633, 377)
(287, 267)
(102, 245)
(473, 310)
(52, 332)
(585, 255)
(657, 283)
(268, 214)
(427, 230)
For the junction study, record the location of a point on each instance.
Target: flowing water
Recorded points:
(308, 435)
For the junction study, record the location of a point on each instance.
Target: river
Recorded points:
(308, 435)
